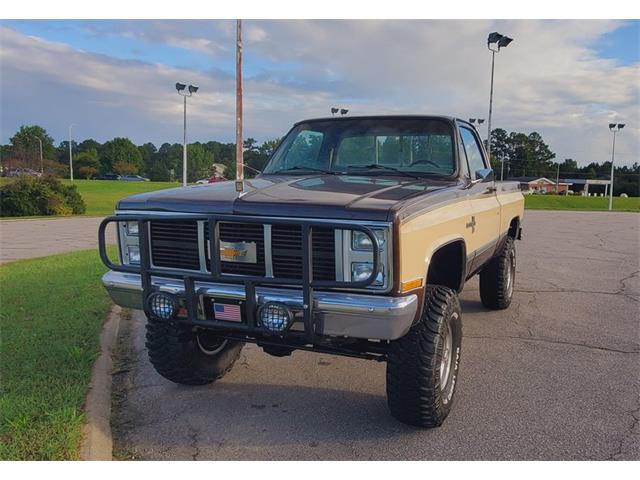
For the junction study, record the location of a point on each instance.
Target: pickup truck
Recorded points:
(355, 240)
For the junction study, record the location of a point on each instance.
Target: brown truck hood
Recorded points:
(322, 196)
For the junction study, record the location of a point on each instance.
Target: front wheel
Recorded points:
(189, 357)
(422, 366)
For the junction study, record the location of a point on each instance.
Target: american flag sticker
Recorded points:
(225, 311)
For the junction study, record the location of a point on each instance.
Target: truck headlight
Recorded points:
(360, 241)
(132, 228)
(362, 270)
(133, 255)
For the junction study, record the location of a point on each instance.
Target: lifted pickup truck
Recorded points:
(355, 240)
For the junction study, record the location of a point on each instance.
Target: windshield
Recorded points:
(383, 146)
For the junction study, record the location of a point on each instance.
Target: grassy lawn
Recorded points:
(51, 313)
(558, 202)
(101, 196)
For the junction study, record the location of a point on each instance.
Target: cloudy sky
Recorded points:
(564, 79)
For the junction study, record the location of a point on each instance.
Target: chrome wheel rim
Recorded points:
(445, 361)
(209, 344)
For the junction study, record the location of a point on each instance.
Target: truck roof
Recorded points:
(374, 117)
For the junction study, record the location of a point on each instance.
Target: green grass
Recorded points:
(559, 202)
(101, 196)
(51, 314)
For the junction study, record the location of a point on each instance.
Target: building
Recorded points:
(589, 187)
(541, 185)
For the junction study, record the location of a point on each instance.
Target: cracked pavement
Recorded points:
(554, 377)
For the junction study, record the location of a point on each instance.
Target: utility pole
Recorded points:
(41, 161)
(71, 153)
(239, 149)
(558, 179)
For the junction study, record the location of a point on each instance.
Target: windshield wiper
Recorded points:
(309, 169)
(377, 166)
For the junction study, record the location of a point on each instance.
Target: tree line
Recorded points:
(120, 155)
(524, 155)
(527, 155)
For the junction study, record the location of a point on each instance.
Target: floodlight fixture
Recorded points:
(193, 89)
(180, 86)
(344, 111)
(334, 110)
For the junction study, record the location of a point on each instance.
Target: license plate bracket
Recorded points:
(224, 309)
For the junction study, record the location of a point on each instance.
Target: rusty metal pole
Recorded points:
(239, 149)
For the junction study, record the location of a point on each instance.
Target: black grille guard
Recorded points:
(215, 274)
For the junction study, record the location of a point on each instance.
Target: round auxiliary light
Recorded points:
(162, 305)
(275, 316)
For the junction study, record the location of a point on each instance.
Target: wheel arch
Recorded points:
(451, 253)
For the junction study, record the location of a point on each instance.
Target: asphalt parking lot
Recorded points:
(556, 376)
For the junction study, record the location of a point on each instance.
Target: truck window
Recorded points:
(473, 151)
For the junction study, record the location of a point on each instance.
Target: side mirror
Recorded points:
(484, 175)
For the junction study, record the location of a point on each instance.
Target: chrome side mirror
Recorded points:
(483, 175)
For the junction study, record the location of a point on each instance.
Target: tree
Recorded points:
(123, 152)
(124, 168)
(199, 162)
(87, 163)
(25, 148)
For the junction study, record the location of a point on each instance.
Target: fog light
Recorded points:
(275, 316)
(162, 305)
(134, 255)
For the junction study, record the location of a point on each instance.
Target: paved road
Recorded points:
(20, 239)
(554, 377)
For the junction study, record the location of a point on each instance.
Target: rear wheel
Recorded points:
(422, 366)
(189, 357)
(497, 278)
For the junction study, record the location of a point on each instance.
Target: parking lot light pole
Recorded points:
(495, 41)
(614, 127)
(71, 152)
(41, 161)
(185, 92)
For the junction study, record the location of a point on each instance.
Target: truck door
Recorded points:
(484, 225)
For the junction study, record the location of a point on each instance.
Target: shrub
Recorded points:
(28, 196)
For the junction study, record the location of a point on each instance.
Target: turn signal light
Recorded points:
(410, 285)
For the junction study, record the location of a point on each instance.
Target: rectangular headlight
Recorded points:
(360, 241)
(362, 270)
(132, 228)
(133, 255)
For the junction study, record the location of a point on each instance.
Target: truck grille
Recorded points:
(286, 245)
(174, 244)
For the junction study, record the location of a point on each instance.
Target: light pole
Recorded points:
(614, 127)
(185, 92)
(495, 41)
(70, 152)
(41, 162)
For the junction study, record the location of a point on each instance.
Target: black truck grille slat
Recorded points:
(174, 244)
(286, 252)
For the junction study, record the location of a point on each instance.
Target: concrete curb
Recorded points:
(97, 442)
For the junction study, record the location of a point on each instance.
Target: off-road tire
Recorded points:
(498, 277)
(414, 392)
(176, 353)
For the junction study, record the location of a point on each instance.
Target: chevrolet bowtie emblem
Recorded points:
(232, 252)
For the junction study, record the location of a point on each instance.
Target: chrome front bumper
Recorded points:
(336, 313)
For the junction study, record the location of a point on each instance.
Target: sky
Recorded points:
(564, 79)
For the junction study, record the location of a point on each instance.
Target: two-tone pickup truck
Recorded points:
(355, 240)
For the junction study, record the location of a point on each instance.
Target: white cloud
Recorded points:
(549, 80)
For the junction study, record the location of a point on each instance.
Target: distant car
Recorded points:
(17, 172)
(134, 178)
(204, 181)
(109, 176)
(216, 179)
